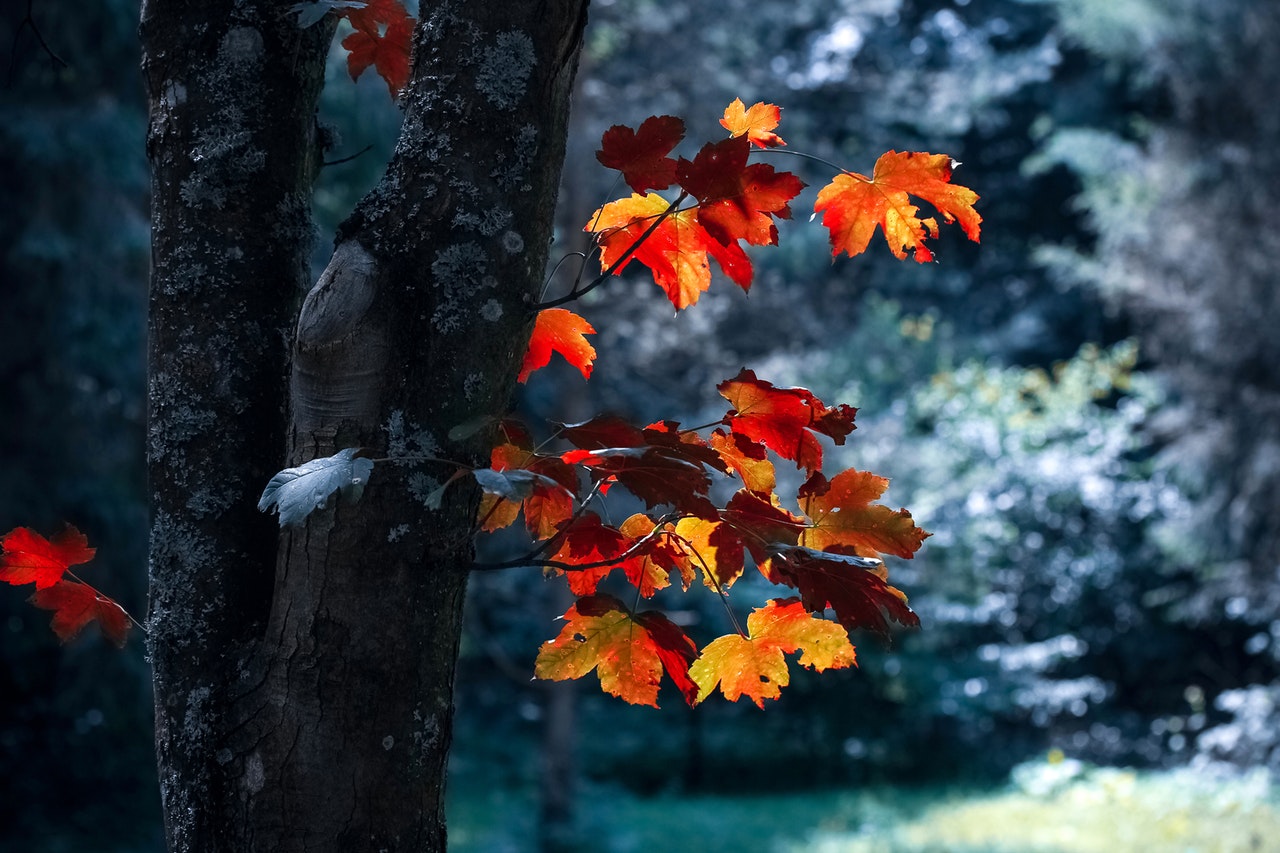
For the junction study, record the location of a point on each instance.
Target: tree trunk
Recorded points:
(310, 708)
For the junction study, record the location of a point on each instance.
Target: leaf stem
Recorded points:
(531, 559)
(100, 594)
(812, 157)
(577, 292)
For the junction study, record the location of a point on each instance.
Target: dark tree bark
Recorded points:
(309, 707)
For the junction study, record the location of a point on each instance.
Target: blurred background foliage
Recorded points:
(1085, 410)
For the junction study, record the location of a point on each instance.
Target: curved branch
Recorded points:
(577, 293)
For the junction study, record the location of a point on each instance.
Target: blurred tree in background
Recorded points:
(1083, 409)
(74, 722)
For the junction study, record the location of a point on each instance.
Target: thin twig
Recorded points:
(100, 594)
(30, 21)
(577, 292)
(364, 150)
(814, 158)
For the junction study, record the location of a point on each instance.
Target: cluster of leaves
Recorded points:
(824, 544)
(827, 551)
(28, 557)
(723, 200)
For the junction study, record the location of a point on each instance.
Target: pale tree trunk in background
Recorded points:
(304, 681)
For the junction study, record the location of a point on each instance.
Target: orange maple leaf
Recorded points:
(842, 515)
(757, 123)
(852, 205)
(650, 569)
(676, 251)
(713, 548)
(30, 558)
(75, 605)
(747, 458)
(754, 666)
(558, 330)
(629, 651)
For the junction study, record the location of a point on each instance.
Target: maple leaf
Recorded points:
(757, 123)
(496, 512)
(713, 548)
(754, 666)
(643, 458)
(656, 475)
(737, 201)
(684, 444)
(30, 558)
(75, 605)
(842, 515)
(784, 419)
(383, 38)
(558, 330)
(676, 251)
(649, 570)
(852, 205)
(629, 651)
(747, 458)
(601, 432)
(854, 587)
(762, 525)
(585, 541)
(641, 154)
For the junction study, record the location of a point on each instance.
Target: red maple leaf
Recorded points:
(546, 497)
(601, 432)
(629, 651)
(757, 122)
(656, 475)
(737, 201)
(383, 38)
(762, 525)
(784, 419)
(586, 540)
(641, 155)
(30, 558)
(853, 205)
(853, 587)
(754, 666)
(558, 330)
(75, 605)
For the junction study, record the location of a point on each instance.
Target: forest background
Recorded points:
(1084, 410)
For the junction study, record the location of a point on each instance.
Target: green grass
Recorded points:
(1100, 810)
(1059, 807)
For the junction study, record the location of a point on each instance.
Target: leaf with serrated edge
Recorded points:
(853, 205)
(628, 651)
(757, 122)
(75, 605)
(30, 558)
(558, 330)
(754, 666)
(296, 492)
